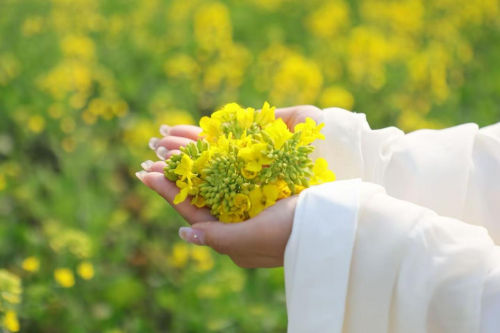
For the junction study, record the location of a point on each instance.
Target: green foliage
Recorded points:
(84, 84)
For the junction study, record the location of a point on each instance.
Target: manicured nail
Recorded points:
(164, 130)
(141, 174)
(153, 143)
(147, 165)
(162, 152)
(191, 235)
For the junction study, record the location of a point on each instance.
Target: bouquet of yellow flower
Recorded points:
(246, 161)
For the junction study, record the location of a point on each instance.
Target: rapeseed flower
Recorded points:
(321, 172)
(64, 277)
(245, 162)
(279, 133)
(211, 128)
(184, 169)
(10, 321)
(85, 270)
(31, 264)
(262, 197)
(185, 188)
(255, 157)
(266, 115)
(310, 131)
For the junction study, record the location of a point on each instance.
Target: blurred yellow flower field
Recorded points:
(84, 84)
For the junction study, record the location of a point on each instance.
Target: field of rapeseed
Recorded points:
(84, 84)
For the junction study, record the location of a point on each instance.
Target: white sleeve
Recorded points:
(455, 171)
(361, 261)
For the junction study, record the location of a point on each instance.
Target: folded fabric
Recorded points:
(359, 260)
(455, 171)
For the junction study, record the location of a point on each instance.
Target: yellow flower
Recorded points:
(230, 218)
(11, 322)
(31, 264)
(227, 113)
(199, 201)
(86, 270)
(201, 161)
(321, 172)
(266, 115)
(211, 128)
(36, 123)
(64, 277)
(283, 189)
(310, 131)
(299, 188)
(242, 202)
(223, 144)
(255, 158)
(261, 198)
(336, 96)
(203, 258)
(182, 195)
(184, 168)
(180, 255)
(278, 131)
(245, 117)
(189, 188)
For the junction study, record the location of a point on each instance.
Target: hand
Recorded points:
(258, 242)
(179, 136)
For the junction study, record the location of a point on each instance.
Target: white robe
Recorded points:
(363, 260)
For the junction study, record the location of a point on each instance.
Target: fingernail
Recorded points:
(153, 143)
(162, 152)
(191, 235)
(164, 130)
(141, 174)
(147, 165)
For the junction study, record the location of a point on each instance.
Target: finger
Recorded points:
(245, 239)
(164, 154)
(172, 152)
(173, 142)
(186, 131)
(147, 165)
(168, 190)
(263, 236)
(297, 114)
(230, 238)
(157, 167)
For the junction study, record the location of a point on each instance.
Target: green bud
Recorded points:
(267, 138)
(170, 177)
(305, 182)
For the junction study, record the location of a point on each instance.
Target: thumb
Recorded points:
(297, 114)
(230, 239)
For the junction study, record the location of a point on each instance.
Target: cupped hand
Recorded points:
(258, 242)
(179, 136)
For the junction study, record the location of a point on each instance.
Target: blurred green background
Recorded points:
(84, 84)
